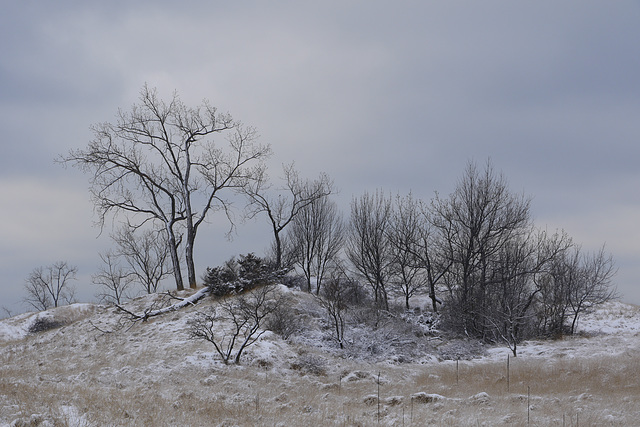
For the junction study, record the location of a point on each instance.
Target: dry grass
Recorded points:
(592, 392)
(598, 391)
(137, 376)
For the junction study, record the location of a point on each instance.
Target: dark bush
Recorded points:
(294, 281)
(355, 293)
(310, 364)
(284, 321)
(236, 276)
(44, 324)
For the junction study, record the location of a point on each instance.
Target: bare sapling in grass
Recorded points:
(235, 322)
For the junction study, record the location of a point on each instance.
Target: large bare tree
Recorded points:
(289, 200)
(433, 255)
(158, 163)
(419, 252)
(513, 290)
(477, 221)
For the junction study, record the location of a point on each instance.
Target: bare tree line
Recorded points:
(475, 253)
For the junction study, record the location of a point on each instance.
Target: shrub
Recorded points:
(310, 364)
(283, 321)
(222, 280)
(293, 281)
(355, 293)
(235, 323)
(44, 324)
(236, 276)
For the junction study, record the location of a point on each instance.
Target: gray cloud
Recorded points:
(398, 96)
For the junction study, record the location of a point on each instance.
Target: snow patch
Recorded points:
(16, 328)
(481, 398)
(422, 397)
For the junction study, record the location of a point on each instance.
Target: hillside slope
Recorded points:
(97, 368)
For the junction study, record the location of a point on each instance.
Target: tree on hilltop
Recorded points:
(159, 163)
(50, 286)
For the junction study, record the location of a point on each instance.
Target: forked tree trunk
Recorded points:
(191, 268)
(175, 258)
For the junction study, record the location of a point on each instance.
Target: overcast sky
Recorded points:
(393, 95)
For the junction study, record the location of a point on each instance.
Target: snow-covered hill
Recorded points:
(99, 368)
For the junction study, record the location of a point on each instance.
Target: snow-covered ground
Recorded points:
(613, 329)
(98, 368)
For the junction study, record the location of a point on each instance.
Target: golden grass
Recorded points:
(591, 392)
(133, 378)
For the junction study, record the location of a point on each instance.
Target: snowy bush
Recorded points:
(293, 281)
(427, 322)
(221, 280)
(236, 276)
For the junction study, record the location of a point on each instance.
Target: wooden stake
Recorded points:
(508, 372)
(378, 397)
(528, 405)
(411, 410)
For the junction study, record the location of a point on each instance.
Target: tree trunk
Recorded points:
(276, 235)
(191, 268)
(434, 301)
(175, 258)
(575, 320)
(191, 228)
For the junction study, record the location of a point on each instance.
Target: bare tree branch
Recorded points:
(295, 196)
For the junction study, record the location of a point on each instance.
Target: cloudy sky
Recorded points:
(392, 95)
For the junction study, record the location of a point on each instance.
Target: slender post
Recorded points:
(411, 410)
(528, 405)
(378, 397)
(508, 372)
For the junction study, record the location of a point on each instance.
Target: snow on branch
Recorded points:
(182, 303)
